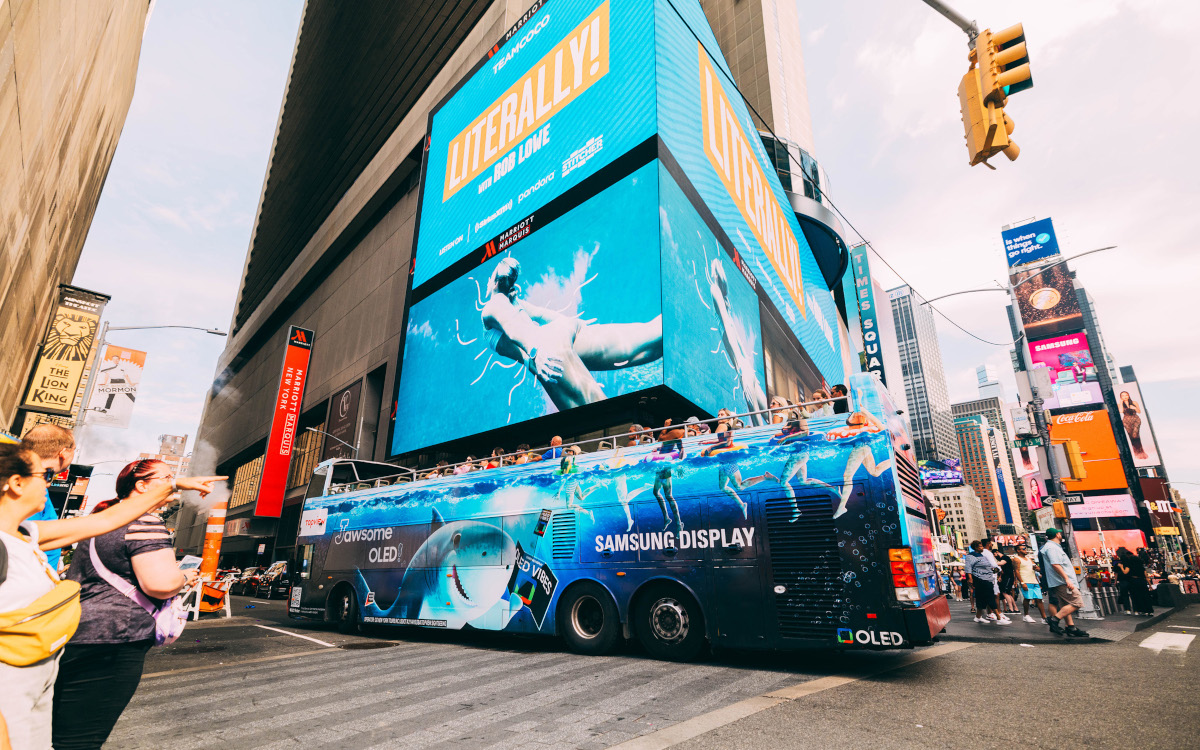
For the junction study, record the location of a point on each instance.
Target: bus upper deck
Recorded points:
(779, 535)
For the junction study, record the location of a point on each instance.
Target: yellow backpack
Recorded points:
(40, 629)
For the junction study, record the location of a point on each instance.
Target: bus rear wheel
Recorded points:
(345, 611)
(588, 619)
(668, 623)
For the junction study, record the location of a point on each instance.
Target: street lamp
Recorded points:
(343, 442)
(101, 341)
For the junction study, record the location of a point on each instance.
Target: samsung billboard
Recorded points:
(622, 229)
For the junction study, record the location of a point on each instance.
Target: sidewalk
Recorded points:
(1112, 628)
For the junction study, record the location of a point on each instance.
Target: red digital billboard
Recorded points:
(278, 457)
(1098, 446)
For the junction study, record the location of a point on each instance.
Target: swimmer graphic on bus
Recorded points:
(858, 423)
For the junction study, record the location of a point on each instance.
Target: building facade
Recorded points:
(172, 451)
(925, 388)
(980, 471)
(66, 82)
(996, 413)
(964, 512)
(332, 251)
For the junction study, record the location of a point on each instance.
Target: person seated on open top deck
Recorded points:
(555, 451)
(497, 459)
(522, 454)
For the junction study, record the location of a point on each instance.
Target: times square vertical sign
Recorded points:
(278, 458)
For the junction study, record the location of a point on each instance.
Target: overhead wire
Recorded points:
(825, 198)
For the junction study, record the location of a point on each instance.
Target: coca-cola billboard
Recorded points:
(1098, 447)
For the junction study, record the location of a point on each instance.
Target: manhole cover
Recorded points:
(364, 645)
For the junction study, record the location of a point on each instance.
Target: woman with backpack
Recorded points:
(38, 612)
(124, 575)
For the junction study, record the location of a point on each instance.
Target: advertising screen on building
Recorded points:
(571, 90)
(1137, 425)
(1047, 302)
(569, 315)
(1095, 546)
(938, 474)
(284, 422)
(1101, 459)
(1072, 371)
(1030, 242)
(1104, 506)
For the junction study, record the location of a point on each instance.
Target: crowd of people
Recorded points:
(824, 404)
(73, 638)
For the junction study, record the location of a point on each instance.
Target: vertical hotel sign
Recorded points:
(278, 457)
(731, 154)
(866, 311)
(63, 358)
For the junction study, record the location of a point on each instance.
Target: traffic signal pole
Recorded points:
(957, 19)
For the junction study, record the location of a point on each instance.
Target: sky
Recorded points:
(1106, 151)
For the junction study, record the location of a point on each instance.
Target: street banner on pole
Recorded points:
(278, 458)
(64, 353)
(116, 386)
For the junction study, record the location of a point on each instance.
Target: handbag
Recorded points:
(40, 629)
(170, 617)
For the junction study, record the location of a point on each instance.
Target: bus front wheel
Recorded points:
(588, 619)
(668, 623)
(345, 611)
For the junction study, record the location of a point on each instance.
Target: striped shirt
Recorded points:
(108, 615)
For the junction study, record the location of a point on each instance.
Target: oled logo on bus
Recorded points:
(845, 635)
(873, 638)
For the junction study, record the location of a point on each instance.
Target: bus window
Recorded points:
(304, 561)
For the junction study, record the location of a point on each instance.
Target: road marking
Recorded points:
(184, 670)
(297, 635)
(706, 722)
(1185, 627)
(1160, 642)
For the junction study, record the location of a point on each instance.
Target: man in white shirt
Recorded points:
(986, 551)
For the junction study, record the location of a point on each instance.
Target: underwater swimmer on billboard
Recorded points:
(561, 351)
(741, 352)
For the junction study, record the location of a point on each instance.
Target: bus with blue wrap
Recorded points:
(806, 533)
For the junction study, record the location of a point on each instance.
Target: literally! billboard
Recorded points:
(583, 258)
(1029, 242)
(284, 423)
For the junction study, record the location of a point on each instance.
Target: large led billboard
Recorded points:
(940, 474)
(1101, 459)
(1029, 242)
(1136, 426)
(1047, 301)
(569, 92)
(632, 235)
(569, 315)
(1072, 371)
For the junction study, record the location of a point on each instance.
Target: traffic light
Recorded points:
(1060, 509)
(999, 67)
(1075, 460)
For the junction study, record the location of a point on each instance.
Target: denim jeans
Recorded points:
(95, 683)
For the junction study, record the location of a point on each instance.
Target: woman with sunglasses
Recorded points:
(27, 694)
(102, 665)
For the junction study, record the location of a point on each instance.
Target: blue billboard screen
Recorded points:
(710, 313)
(570, 91)
(1030, 242)
(569, 315)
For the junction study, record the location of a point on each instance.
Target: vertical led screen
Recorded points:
(566, 94)
(1072, 371)
(569, 315)
(1047, 302)
(708, 130)
(1137, 426)
(1030, 242)
(710, 313)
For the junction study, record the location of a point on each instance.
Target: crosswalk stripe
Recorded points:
(1160, 642)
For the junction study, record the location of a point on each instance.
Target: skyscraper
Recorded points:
(989, 383)
(924, 378)
(996, 413)
(980, 464)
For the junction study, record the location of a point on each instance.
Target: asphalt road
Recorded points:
(260, 680)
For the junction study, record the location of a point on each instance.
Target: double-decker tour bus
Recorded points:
(806, 533)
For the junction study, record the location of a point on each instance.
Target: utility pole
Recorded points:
(957, 19)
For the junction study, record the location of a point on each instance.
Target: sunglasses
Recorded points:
(49, 475)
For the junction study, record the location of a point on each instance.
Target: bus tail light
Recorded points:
(904, 574)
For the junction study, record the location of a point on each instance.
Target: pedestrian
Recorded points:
(1139, 587)
(965, 584)
(1026, 575)
(1124, 603)
(986, 551)
(842, 405)
(32, 594)
(102, 665)
(55, 447)
(983, 582)
(1007, 582)
(1060, 574)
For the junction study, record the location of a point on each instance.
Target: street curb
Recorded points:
(1042, 640)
